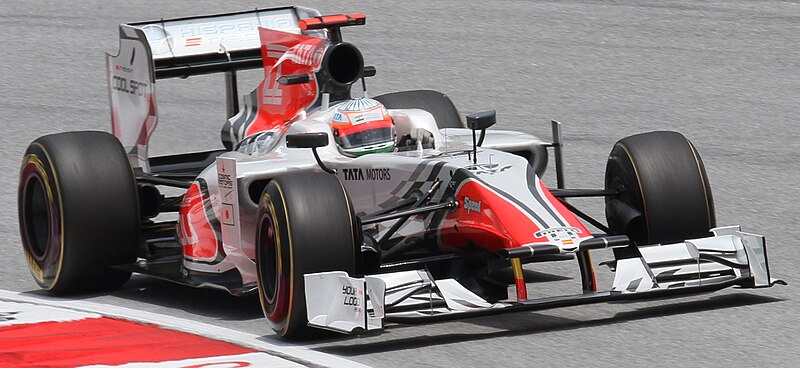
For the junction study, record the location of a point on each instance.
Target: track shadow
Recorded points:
(213, 303)
(200, 301)
(506, 275)
(535, 323)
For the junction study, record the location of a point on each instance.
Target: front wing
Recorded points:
(339, 302)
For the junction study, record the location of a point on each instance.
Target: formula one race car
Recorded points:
(345, 213)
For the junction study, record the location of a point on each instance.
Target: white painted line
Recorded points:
(38, 313)
(286, 351)
(231, 361)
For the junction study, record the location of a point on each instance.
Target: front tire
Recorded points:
(78, 212)
(306, 224)
(661, 177)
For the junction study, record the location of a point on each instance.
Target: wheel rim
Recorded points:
(269, 258)
(37, 218)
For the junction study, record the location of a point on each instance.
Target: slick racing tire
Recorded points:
(306, 224)
(78, 212)
(665, 196)
(434, 102)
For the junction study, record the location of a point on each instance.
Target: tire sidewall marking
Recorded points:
(277, 307)
(289, 276)
(706, 186)
(34, 159)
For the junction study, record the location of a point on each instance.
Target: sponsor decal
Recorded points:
(209, 29)
(229, 201)
(347, 114)
(367, 174)
(378, 174)
(123, 68)
(193, 41)
(353, 174)
(472, 206)
(235, 32)
(352, 296)
(565, 235)
(306, 54)
(227, 214)
(225, 181)
(487, 169)
(129, 86)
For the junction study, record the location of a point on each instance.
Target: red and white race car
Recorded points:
(344, 212)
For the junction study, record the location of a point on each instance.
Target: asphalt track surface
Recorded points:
(726, 74)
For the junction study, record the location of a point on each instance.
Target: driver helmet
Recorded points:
(361, 126)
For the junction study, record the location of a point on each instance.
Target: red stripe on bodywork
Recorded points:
(499, 223)
(202, 243)
(280, 103)
(102, 341)
(149, 124)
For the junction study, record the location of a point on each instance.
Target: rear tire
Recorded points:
(434, 102)
(306, 224)
(78, 212)
(659, 175)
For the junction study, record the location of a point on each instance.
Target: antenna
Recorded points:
(364, 86)
(368, 71)
(480, 121)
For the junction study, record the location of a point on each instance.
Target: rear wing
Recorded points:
(182, 47)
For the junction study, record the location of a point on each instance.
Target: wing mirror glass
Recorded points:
(313, 141)
(481, 120)
(307, 140)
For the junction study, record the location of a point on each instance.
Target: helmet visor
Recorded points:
(366, 137)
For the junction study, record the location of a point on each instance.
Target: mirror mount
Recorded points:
(292, 79)
(313, 141)
(480, 121)
(368, 71)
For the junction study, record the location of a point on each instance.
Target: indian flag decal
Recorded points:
(193, 41)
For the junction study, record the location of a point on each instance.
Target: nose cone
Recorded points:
(510, 216)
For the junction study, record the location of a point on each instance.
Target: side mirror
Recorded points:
(307, 140)
(481, 120)
(313, 141)
(369, 71)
